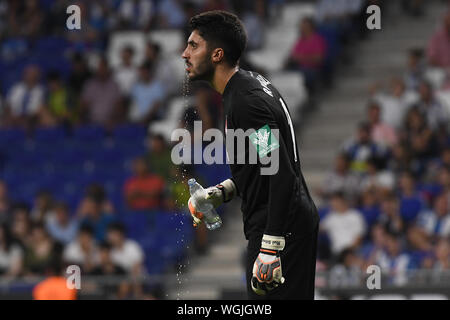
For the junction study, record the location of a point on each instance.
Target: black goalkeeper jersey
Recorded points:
(277, 204)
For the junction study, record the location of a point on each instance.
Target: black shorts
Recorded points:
(298, 265)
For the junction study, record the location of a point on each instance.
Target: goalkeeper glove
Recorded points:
(216, 195)
(267, 274)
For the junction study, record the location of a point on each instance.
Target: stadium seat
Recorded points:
(169, 40)
(130, 132)
(50, 135)
(89, 133)
(10, 137)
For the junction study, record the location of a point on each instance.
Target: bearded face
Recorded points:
(197, 56)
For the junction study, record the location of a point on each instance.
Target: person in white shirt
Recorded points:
(26, 97)
(11, 255)
(394, 104)
(83, 251)
(126, 73)
(344, 226)
(126, 253)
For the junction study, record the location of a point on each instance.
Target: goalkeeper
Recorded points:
(280, 218)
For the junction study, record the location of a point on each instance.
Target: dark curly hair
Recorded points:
(221, 29)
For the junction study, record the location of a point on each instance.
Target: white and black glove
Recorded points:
(216, 195)
(267, 274)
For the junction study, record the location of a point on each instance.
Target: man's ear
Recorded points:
(217, 55)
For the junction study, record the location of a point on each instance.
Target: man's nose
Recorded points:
(184, 55)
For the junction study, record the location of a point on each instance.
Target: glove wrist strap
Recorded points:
(272, 243)
(228, 190)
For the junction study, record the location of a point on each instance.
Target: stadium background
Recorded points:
(85, 123)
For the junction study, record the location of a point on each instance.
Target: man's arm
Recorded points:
(253, 113)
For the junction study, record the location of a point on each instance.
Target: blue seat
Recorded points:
(89, 133)
(50, 135)
(130, 132)
(136, 222)
(10, 137)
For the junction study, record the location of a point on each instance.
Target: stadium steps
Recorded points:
(383, 55)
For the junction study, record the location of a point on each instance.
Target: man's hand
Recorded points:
(267, 274)
(215, 195)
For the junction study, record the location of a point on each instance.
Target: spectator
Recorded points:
(144, 190)
(80, 73)
(60, 226)
(126, 253)
(25, 98)
(393, 261)
(54, 287)
(419, 138)
(40, 251)
(340, 179)
(136, 14)
(378, 181)
(42, 206)
(146, 96)
(415, 69)
(126, 73)
(362, 148)
(390, 218)
(381, 133)
(163, 68)
(107, 268)
(91, 214)
(58, 98)
(4, 203)
(97, 192)
(179, 188)
(347, 271)
(344, 226)
(98, 108)
(433, 224)
(442, 255)
(308, 54)
(83, 251)
(435, 113)
(11, 254)
(254, 22)
(158, 157)
(438, 51)
(369, 208)
(171, 14)
(411, 202)
(21, 224)
(204, 108)
(401, 160)
(27, 20)
(374, 247)
(394, 104)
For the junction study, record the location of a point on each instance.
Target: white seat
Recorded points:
(291, 87)
(170, 40)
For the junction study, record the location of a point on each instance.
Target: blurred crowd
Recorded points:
(61, 84)
(386, 202)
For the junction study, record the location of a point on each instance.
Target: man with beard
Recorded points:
(280, 218)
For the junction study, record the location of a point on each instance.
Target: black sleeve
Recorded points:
(254, 113)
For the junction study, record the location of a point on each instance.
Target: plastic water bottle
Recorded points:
(198, 194)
